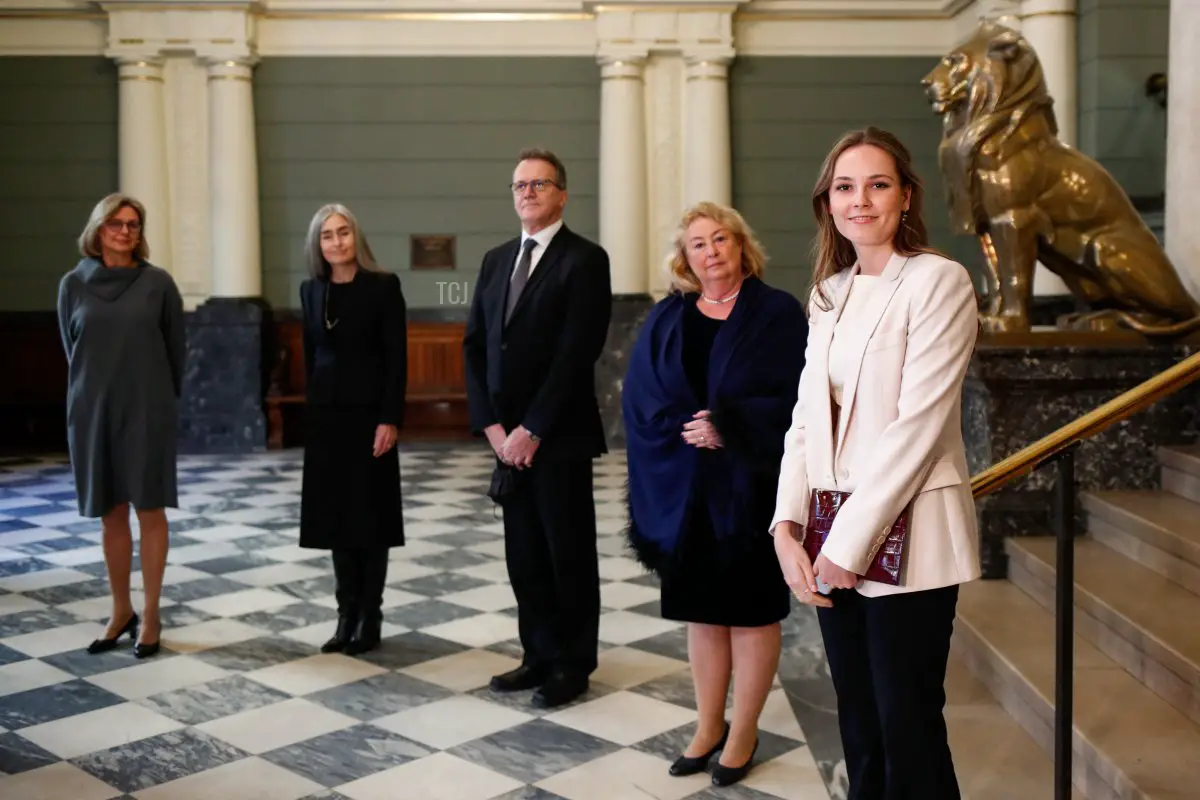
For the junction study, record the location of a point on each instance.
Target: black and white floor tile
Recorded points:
(241, 704)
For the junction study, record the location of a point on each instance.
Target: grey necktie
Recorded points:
(520, 277)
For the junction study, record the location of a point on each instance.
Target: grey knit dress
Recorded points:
(123, 331)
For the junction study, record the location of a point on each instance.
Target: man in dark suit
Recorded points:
(539, 319)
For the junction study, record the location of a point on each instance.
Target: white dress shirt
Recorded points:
(542, 238)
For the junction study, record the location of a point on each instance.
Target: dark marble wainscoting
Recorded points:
(1022, 387)
(628, 313)
(221, 410)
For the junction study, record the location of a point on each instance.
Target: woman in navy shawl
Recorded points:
(708, 397)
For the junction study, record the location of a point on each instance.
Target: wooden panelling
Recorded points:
(33, 384)
(436, 399)
(435, 362)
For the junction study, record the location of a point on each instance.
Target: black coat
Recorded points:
(539, 369)
(366, 365)
(356, 380)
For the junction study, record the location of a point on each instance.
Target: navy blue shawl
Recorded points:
(754, 373)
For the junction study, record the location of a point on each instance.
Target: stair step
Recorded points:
(1128, 742)
(1181, 471)
(994, 758)
(1157, 529)
(1135, 616)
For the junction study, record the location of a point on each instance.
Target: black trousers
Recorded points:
(360, 574)
(887, 656)
(550, 547)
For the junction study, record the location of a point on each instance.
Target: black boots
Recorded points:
(366, 634)
(345, 630)
(360, 576)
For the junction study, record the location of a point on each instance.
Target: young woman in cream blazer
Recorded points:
(878, 414)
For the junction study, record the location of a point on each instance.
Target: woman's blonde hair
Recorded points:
(754, 258)
(318, 267)
(89, 240)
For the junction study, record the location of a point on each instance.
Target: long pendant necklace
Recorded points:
(329, 325)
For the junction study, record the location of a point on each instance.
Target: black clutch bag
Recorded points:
(504, 481)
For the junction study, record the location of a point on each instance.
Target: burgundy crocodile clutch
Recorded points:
(888, 548)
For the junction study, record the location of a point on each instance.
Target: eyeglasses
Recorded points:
(539, 186)
(115, 225)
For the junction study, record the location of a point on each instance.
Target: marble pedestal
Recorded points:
(222, 406)
(628, 313)
(1021, 387)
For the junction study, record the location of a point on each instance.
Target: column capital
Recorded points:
(219, 29)
(1002, 12)
(221, 68)
(707, 66)
(139, 68)
(617, 65)
(665, 27)
(1049, 8)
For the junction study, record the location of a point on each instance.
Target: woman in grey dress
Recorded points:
(121, 320)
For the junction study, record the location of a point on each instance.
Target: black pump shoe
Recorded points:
(104, 645)
(342, 637)
(727, 776)
(141, 650)
(685, 765)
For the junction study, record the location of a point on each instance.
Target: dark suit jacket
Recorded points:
(539, 369)
(363, 361)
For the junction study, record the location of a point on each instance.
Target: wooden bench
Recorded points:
(435, 402)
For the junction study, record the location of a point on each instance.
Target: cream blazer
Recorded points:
(899, 433)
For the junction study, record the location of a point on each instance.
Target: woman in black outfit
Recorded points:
(355, 356)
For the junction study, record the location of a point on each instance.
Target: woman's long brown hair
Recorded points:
(833, 252)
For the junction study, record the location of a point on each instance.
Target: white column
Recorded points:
(236, 246)
(707, 160)
(1049, 27)
(1182, 234)
(623, 179)
(143, 150)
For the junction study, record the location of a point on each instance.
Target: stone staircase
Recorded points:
(1137, 638)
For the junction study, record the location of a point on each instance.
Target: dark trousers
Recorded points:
(550, 547)
(887, 656)
(360, 574)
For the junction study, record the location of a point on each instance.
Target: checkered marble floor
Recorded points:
(240, 703)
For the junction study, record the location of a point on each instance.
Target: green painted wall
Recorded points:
(416, 146)
(58, 157)
(1121, 43)
(787, 112)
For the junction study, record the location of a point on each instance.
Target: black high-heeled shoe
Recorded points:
(727, 776)
(143, 650)
(104, 645)
(690, 765)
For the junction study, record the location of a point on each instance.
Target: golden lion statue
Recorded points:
(1029, 197)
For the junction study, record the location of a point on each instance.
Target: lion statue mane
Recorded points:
(1030, 198)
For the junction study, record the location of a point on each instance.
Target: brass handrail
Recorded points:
(1026, 460)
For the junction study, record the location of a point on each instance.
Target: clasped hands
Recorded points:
(515, 449)
(801, 573)
(700, 432)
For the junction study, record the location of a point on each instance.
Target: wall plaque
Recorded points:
(432, 252)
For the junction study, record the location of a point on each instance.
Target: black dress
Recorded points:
(737, 583)
(356, 379)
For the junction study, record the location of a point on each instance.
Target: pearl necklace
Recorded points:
(723, 300)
